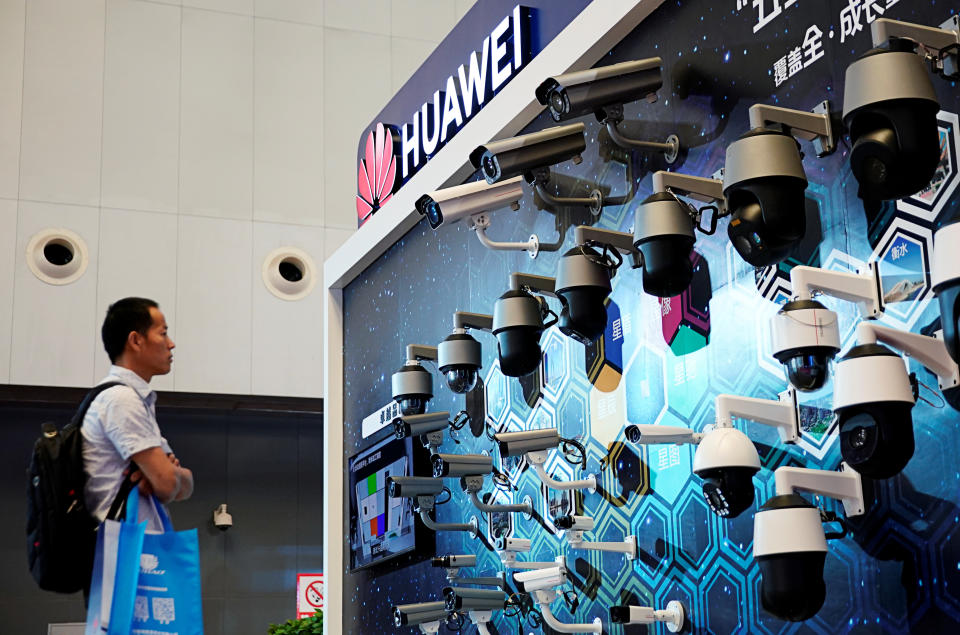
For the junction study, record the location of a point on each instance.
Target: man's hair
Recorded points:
(123, 317)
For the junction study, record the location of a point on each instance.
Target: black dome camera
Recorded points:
(517, 325)
(873, 398)
(726, 461)
(663, 234)
(764, 186)
(890, 110)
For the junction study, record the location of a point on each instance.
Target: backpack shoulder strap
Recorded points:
(77, 419)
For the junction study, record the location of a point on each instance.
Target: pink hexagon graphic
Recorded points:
(377, 174)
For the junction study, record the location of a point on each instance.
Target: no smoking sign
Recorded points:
(309, 593)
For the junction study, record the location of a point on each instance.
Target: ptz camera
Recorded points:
(945, 278)
(452, 204)
(518, 322)
(663, 227)
(459, 354)
(412, 385)
(805, 334)
(521, 156)
(873, 397)
(890, 108)
(789, 542)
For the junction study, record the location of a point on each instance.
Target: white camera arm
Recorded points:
(783, 413)
(537, 460)
(813, 126)
(929, 351)
(931, 40)
(845, 485)
(861, 288)
(545, 598)
(481, 619)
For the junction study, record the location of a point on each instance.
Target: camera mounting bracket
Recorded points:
(429, 628)
(544, 598)
(480, 619)
(539, 458)
(938, 44)
(844, 485)
(509, 560)
(613, 115)
(815, 126)
(782, 413)
(418, 352)
(477, 321)
(472, 486)
(929, 351)
(426, 504)
(481, 222)
(628, 547)
(696, 187)
(862, 288)
(543, 285)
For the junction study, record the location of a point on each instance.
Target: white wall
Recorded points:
(183, 141)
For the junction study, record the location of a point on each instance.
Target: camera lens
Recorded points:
(490, 169)
(413, 405)
(728, 490)
(558, 102)
(461, 380)
(876, 439)
(433, 214)
(807, 371)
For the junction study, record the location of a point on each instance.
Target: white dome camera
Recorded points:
(873, 397)
(805, 334)
(789, 542)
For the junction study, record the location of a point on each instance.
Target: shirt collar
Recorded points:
(133, 380)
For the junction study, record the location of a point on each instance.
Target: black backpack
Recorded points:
(61, 533)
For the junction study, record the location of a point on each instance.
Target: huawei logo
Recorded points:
(377, 174)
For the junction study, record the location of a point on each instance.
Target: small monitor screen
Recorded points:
(380, 527)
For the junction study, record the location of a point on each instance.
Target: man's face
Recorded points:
(156, 348)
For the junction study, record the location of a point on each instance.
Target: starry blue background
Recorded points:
(897, 571)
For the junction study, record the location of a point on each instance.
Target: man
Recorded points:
(121, 424)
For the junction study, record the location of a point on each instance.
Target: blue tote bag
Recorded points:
(145, 583)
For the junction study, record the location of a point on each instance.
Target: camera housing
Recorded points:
(873, 398)
(945, 278)
(521, 156)
(663, 234)
(460, 465)
(789, 542)
(518, 323)
(412, 385)
(520, 443)
(452, 204)
(672, 616)
(454, 561)
(516, 545)
(459, 354)
(465, 599)
(541, 579)
(413, 486)
(806, 338)
(764, 184)
(890, 109)
(726, 460)
(419, 613)
(574, 523)
(583, 92)
(222, 519)
(420, 425)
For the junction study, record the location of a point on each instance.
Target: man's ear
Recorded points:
(134, 341)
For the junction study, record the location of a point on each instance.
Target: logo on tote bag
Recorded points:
(148, 564)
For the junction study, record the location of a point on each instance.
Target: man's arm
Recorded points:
(168, 480)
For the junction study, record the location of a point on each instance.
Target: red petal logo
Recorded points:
(377, 173)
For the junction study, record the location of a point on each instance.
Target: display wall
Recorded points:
(897, 569)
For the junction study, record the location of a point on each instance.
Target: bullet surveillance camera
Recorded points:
(519, 545)
(890, 109)
(726, 460)
(464, 599)
(519, 443)
(789, 542)
(521, 156)
(945, 278)
(663, 233)
(419, 613)
(518, 322)
(459, 465)
(583, 92)
(418, 425)
(672, 616)
(413, 486)
(574, 523)
(540, 579)
(764, 184)
(412, 385)
(453, 561)
(451, 204)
